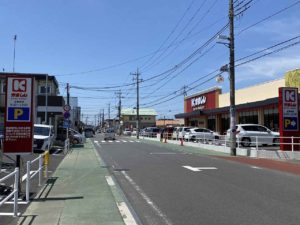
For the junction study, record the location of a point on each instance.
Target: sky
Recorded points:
(98, 46)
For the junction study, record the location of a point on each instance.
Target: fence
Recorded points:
(39, 172)
(14, 193)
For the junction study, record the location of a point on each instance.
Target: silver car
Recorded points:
(109, 134)
(252, 134)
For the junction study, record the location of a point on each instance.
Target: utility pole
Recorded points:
(14, 59)
(68, 103)
(119, 95)
(232, 81)
(108, 114)
(138, 80)
(103, 118)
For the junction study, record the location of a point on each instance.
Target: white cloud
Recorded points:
(268, 68)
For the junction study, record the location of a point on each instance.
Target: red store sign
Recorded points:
(18, 124)
(206, 100)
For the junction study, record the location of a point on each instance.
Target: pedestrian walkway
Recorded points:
(76, 194)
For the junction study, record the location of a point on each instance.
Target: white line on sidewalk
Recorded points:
(110, 181)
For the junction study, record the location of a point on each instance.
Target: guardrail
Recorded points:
(39, 172)
(14, 193)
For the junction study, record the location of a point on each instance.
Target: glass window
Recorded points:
(43, 89)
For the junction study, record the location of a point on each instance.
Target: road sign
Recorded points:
(67, 124)
(67, 108)
(18, 115)
(66, 115)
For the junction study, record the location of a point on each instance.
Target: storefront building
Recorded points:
(256, 104)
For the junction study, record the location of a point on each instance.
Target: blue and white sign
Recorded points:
(67, 124)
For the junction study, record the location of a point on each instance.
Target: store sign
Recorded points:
(290, 109)
(18, 115)
(198, 101)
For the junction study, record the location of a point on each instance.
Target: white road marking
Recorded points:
(126, 214)
(110, 181)
(137, 141)
(118, 141)
(256, 167)
(197, 169)
(96, 141)
(110, 141)
(147, 199)
(124, 141)
(131, 141)
(103, 141)
(163, 153)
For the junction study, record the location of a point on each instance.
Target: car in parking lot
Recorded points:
(249, 134)
(127, 132)
(109, 134)
(43, 137)
(151, 131)
(198, 134)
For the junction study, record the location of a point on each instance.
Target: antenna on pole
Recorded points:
(14, 59)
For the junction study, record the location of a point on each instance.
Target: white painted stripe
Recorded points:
(256, 167)
(103, 141)
(126, 214)
(163, 153)
(110, 141)
(96, 141)
(131, 141)
(124, 141)
(118, 141)
(198, 169)
(147, 199)
(110, 181)
(137, 141)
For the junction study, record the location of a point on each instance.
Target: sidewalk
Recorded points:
(76, 194)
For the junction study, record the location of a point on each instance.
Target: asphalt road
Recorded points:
(164, 186)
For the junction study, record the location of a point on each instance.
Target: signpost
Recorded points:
(18, 122)
(18, 115)
(288, 117)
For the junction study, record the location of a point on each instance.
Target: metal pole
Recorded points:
(14, 59)
(137, 105)
(232, 81)
(46, 101)
(16, 190)
(28, 181)
(68, 103)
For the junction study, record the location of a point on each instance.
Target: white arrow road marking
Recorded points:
(197, 169)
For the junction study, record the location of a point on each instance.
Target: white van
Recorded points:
(43, 137)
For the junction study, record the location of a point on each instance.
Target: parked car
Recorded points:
(43, 137)
(109, 134)
(76, 137)
(134, 133)
(248, 134)
(175, 133)
(127, 132)
(151, 132)
(194, 134)
(182, 131)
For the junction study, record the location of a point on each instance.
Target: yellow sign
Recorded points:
(292, 79)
